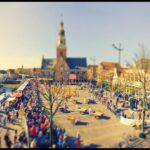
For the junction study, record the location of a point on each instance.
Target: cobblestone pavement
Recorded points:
(104, 132)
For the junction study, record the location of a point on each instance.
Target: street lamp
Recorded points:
(119, 56)
(119, 51)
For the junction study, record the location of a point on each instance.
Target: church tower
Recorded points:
(61, 43)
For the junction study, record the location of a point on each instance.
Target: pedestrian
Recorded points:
(123, 104)
(17, 114)
(33, 143)
(117, 100)
(60, 141)
(122, 113)
(54, 146)
(78, 142)
(3, 106)
(76, 105)
(136, 104)
(16, 145)
(78, 136)
(7, 139)
(132, 115)
(21, 145)
(140, 115)
(90, 110)
(63, 131)
(15, 136)
(64, 140)
(108, 104)
(58, 132)
(5, 121)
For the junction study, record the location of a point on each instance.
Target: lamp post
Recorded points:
(119, 49)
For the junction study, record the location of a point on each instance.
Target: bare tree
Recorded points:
(55, 97)
(141, 66)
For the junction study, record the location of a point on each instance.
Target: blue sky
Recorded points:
(29, 29)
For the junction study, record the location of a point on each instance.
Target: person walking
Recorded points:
(60, 141)
(33, 143)
(78, 141)
(63, 131)
(16, 145)
(140, 115)
(5, 121)
(7, 140)
(117, 100)
(17, 114)
(15, 136)
(90, 110)
(132, 115)
(77, 106)
(64, 140)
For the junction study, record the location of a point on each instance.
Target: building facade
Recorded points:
(61, 67)
(105, 71)
(92, 72)
(131, 79)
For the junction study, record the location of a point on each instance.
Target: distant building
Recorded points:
(61, 67)
(13, 74)
(29, 72)
(130, 78)
(3, 75)
(105, 71)
(143, 63)
(92, 72)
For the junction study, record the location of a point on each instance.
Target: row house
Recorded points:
(91, 72)
(105, 71)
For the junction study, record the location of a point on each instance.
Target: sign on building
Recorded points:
(73, 76)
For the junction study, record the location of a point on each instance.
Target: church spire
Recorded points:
(61, 42)
(61, 17)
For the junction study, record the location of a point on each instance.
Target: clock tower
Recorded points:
(61, 42)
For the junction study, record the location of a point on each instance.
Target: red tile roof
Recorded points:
(109, 64)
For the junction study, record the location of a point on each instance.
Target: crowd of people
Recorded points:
(127, 101)
(12, 116)
(37, 123)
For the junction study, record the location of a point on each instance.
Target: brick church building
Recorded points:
(63, 68)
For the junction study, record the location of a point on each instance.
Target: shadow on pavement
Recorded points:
(92, 102)
(66, 112)
(92, 146)
(105, 117)
(79, 103)
(82, 123)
